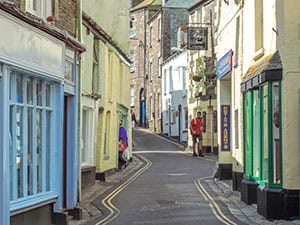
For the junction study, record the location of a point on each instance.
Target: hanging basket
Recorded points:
(196, 78)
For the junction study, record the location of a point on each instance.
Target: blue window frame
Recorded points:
(30, 123)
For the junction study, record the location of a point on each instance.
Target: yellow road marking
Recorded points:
(107, 201)
(214, 206)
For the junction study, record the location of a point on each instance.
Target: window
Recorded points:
(96, 75)
(106, 135)
(186, 118)
(237, 42)
(256, 133)
(258, 24)
(150, 71)
(150, 37)
(39, 8)
(132, 59)
(132, 27)
(159, 29)
(170, 80)
(30, 139)
(165, 82)
(87, 134)
(276, 133)
(132, 96)
(159, 61)
(69, 65)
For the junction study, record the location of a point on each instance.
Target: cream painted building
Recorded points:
(258, 91)
(105, 87)
(202, 81)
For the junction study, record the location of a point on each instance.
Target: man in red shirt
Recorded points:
(196, 132)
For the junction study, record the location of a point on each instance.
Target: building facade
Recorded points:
(174, 97)
(202, 74)
(257, 94)
(105, 91)
(139, 16)
(39, 102)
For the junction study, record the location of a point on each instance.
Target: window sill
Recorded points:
(32, 202)
(258, 54)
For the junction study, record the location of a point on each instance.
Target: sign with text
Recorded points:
(225, 127)
(224, 65)
(197, 38)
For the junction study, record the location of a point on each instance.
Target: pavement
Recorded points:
(220, 190)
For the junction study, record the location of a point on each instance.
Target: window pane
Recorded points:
(29, 92)
(265, 136)
(29, 152)
(19, 89)
(48, 95)
(69, 70)
(19, 148)
(276, 131)
(246, 105)
(84, 137)
(48, 149)
(255, 133)
(39, 93)
(11, 157)
(38, 149)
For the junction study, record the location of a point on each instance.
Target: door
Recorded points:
(64, 163)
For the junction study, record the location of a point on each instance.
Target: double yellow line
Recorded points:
(107, 201)
(213, 205)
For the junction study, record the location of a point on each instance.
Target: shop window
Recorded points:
(247, 141)
(86, 137)
(30, 140)
(256, 132)
(276, 132)
(265, 134)
(186, 117)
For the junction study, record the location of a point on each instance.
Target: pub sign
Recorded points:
(197, 38)
(225, 127)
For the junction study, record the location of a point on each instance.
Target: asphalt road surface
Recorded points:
(166, 192)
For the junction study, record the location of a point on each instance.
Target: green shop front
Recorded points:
(262, 129)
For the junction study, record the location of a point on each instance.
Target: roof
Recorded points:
(269, 62)
(147, 3)
(179, 3)
(198, 4)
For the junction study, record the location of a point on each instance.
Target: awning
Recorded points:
(267, 69)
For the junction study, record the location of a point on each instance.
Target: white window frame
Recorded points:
(87, 148)
(132, 90)
(39, 8)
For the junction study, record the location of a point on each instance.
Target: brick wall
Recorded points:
(65, 13)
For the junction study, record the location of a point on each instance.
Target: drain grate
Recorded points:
(166, 202)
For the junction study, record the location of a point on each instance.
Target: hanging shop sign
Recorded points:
(224, 65)
(197, 38)
(225, 127)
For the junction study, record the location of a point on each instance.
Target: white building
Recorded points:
(174, 99)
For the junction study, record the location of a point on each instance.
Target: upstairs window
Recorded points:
(132, 27)
(39, 8)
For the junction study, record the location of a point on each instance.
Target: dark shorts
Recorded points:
(197, 136)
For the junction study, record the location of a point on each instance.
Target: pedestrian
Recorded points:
(123, 145)
(196, 126)
(133, 119)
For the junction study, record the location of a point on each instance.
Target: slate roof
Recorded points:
(269, 62)
(180, 3)
(147, 3)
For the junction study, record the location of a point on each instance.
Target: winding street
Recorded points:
(167, 190)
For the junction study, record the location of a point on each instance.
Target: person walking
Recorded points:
(133, 119)
(196, 125)
(123, 145)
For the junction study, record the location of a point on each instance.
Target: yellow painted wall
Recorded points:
(288, 17)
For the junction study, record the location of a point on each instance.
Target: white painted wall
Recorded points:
(175, 66)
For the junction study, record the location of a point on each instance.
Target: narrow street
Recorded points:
(167, 191)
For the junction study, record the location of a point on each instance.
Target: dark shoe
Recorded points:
(201, 155)
(194, 154)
